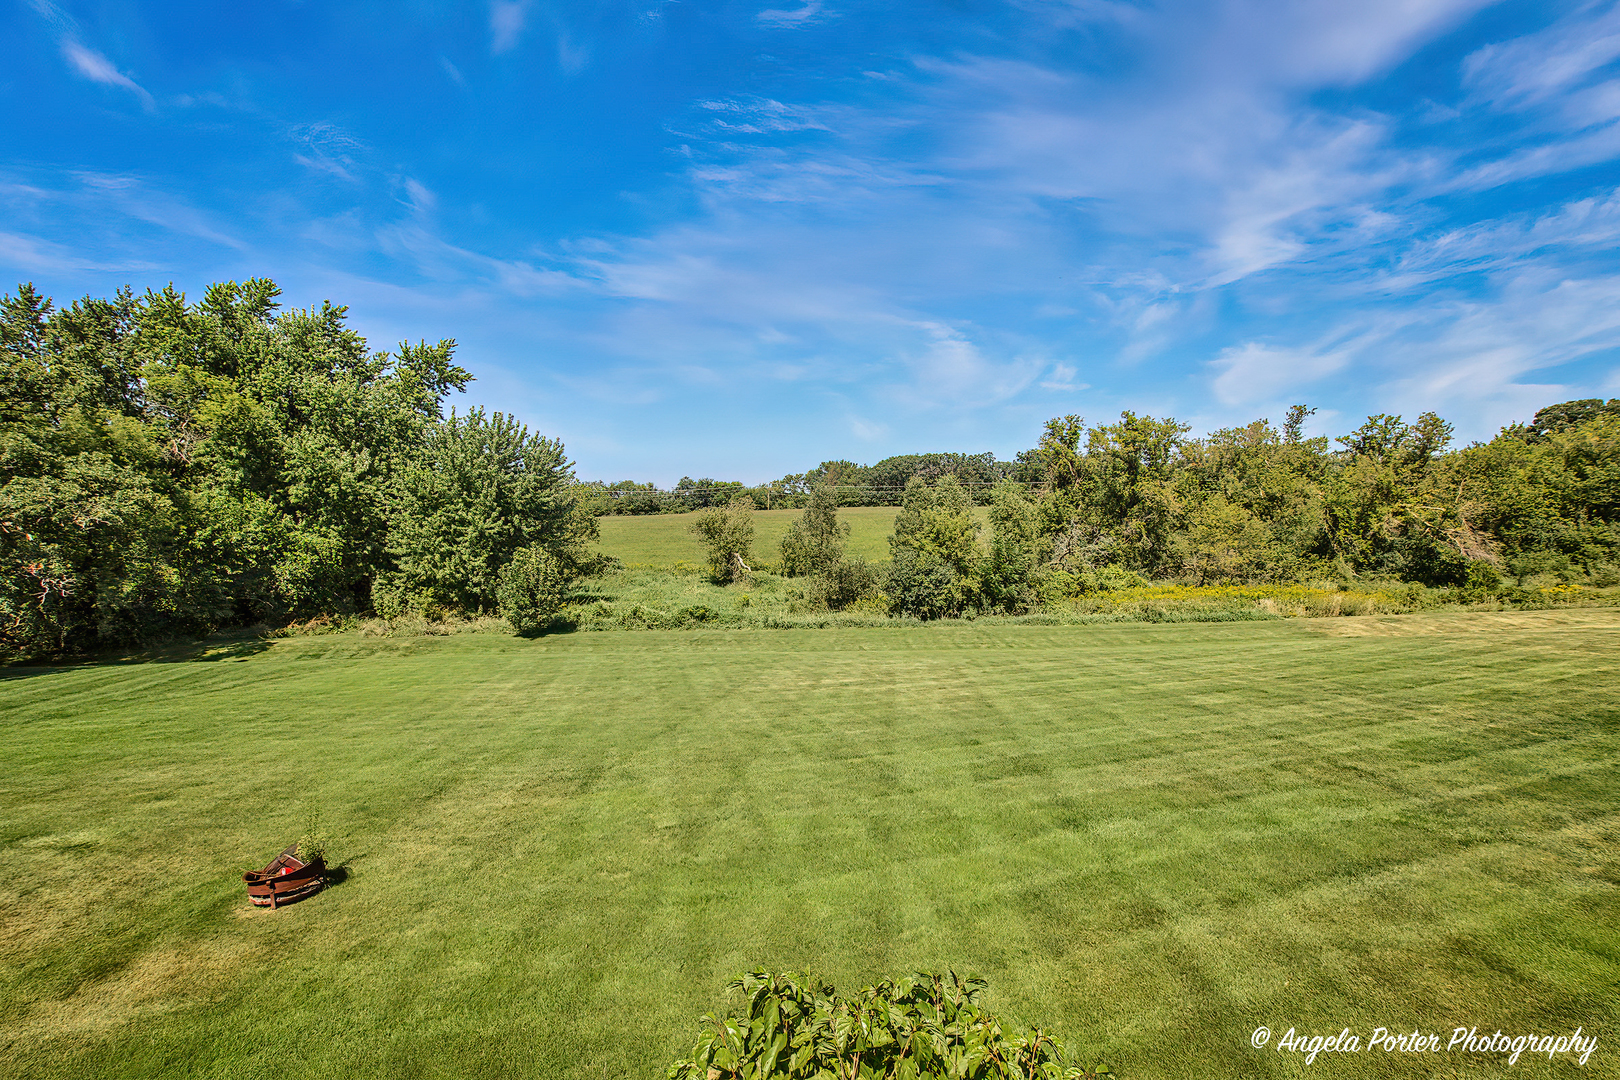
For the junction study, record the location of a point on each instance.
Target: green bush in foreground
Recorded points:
(531, 588)
(920, 1026)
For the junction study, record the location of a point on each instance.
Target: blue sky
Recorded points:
(738, 239)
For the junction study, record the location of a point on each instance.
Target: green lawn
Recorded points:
(1151, 838)
(666, 539)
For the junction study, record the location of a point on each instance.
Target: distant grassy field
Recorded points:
(666, 539)
(1151, 838)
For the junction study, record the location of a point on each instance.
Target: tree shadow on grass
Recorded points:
(230, 645)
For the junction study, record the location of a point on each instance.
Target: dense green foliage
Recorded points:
(481, 490)
(727, 533)
(168, 467)
(935, 556)
(923, 1025)
(1153, 838)
(1137, 499)
(629, 497)
(814, 548)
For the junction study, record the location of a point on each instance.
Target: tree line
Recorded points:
(170, 467)
(852, 484)
(1137, 499)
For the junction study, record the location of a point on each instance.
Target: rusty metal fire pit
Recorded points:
(286, 879)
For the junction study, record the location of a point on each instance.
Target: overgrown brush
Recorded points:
(923, 1025)
(645, 598)
(413, 625)
(1297, 601)
(1154, 602)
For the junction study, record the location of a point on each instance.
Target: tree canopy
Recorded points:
(170, 467)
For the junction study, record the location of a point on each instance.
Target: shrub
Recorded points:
(1483, 577)
(936, 554)
(530, 591)
(696, 613)
(814, 543)
(841, 584)
(921, 1026)
(925, 586)
(728, 533)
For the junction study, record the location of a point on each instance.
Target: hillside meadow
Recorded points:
(663, 541)
(1150, 838)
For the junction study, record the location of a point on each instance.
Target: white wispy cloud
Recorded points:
(506, 21)
(1286, 43)
(1536, 320)
(443, 264)
(1547, 158)
(136, 199)
(327, 148)
(84, 60)
(1544, 67)
(787, 19)
(953, 370)
(1061, 378)
(762, 116)
(1253, 372)
(97, 68)
(99, 208)
(418, 196)
(1581, 225)
(36, 255)
(1486, 359)
(1560, 85)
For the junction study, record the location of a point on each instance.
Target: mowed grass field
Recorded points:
(666, 539)
(1151, 838)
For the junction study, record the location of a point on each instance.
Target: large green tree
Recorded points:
(482, 488)
(169, 466)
